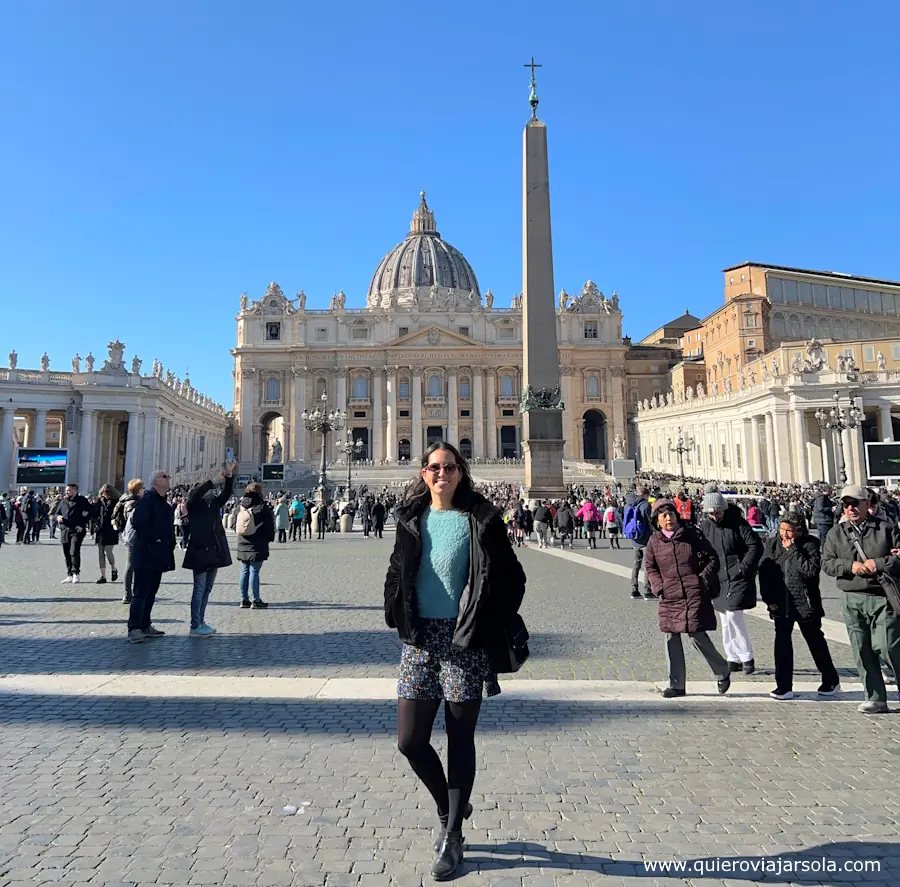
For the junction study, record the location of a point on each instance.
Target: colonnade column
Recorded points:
(391, 448)
(416, 441)
(40, 428)
(478, 412)
(756, 456)
(150, 437)
(452, 407)
(132, 446)
(771, 459)
(491, 424)
(377, 416)
(86, 455)
(800, 439)
(6, 448)
(885, 424)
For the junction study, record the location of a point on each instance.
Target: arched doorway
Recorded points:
(404, 450)
(509, 441)
(271, 429)
(434, 434)
(594, 436)
(465, 447)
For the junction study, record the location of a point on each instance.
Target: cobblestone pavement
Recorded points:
(115, 790)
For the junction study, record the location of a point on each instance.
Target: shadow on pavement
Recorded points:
(839, 863)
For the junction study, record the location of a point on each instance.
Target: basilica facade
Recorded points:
(429, 357)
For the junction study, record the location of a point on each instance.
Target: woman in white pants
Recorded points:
(739, 550)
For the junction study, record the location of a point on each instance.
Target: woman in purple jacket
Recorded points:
(682, 568)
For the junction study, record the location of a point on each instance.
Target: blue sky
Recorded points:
(156, 163)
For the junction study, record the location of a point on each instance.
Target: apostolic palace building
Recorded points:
(429, 357)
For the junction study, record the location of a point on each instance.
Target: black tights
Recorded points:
(415, 718)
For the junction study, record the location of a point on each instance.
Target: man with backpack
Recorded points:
(255, 527)
(636, 527)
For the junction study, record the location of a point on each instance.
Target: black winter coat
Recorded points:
(75, 514)
(255, 548)
(789, 579)
(823, 511)
(153, 546)
(496, 579)
(739, 550)
(105, 533)
(208, 544)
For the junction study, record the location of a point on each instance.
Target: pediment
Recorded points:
(434, 336)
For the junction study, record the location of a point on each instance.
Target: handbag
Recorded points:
(888, 584)
(512, 653)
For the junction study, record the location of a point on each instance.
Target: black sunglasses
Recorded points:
(850, 503)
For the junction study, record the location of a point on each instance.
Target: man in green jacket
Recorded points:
(857, 550)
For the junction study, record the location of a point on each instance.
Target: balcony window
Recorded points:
(434, 386)
(273, 391)
(404, 390)
(591, 329)
(360, 388)
(464, 392)
(593, 386)
(273, 332)
(506, 386)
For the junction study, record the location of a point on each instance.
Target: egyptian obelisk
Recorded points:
(541, 402)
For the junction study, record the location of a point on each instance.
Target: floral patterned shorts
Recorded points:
(438, 670)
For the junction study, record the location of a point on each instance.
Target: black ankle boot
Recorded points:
(449, 857)
(443, 829)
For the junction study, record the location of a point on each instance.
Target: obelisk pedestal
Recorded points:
(542, 405)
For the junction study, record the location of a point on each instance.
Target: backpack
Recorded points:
(128, 531)
(246, 522)
(635, 527)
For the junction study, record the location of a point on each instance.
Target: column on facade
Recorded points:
(391, 410)
(86, 461)
(298, 396)
(771, 460)
(846, 455)
(342, 391)
(783, 462)
(377, 415)
(478, 412)
(150, 437)
(885, 424)
(491, 424)
(452, 407)
(6, 448)
(829, 472)
(40, 428)
(248, 383)
(758, 473)
(101, 449)
(416, 448)
(858, 451)
(569, 412)
(800, 440)
(132, 446)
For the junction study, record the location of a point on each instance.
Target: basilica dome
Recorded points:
(415, 266)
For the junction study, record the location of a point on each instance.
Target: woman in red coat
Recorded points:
(682, 567)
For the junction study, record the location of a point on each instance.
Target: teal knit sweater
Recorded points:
(444, 569)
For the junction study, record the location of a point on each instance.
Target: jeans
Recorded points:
(146, 584)
(636, 569)
(818, 648)
(203, 585)
(249, 581)
(706, 648)
(822, 530)
(874, 631)
(129, 573)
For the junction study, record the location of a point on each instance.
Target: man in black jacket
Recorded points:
(72, 516)
(152, 554)
(543, 521)
(823, 514)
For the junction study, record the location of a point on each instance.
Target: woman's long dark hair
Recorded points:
(419, 493)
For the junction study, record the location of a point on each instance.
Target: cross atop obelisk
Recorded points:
(542, 406)
(533, 98)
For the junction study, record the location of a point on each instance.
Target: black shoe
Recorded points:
(126, 599)
(115, 575)
(829, 689)
(649, 596)
(101, 580)
(259, 605)
(724, 685)
(635, 594)
(734, 666)
(245, 605)
(449, 858)
(443, 829)
(749, 667)
(671, 693)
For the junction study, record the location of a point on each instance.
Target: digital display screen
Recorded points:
(883, 460)
(273, 471)
(41, 467)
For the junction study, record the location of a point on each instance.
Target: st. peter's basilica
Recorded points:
(430, 357)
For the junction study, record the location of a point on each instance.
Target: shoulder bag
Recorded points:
(888, 583)
(511, 653)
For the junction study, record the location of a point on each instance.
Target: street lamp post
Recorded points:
(682, 445)
(838, 420)
(350, 449)
(323, 422)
